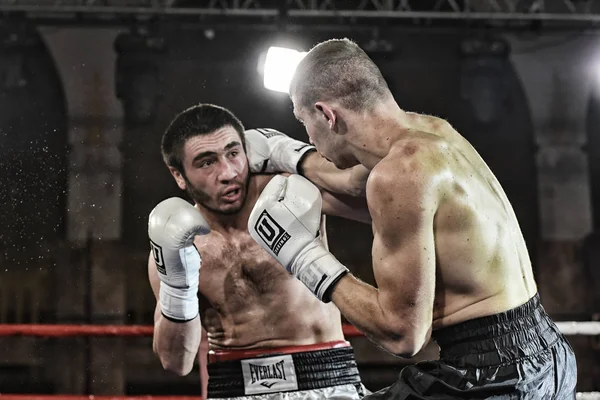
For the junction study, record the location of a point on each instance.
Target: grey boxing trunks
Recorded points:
(517, 354)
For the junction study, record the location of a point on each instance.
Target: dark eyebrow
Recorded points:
(212, 153)
(232, 144)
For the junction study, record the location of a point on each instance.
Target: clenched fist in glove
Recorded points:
(272, 151)
(285, 221)
(172, 226)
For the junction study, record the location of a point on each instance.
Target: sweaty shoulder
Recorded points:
(418, 155)
(411, 168)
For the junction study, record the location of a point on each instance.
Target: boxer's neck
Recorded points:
(376, 132)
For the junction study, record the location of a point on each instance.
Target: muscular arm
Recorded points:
(354, 208)
(343, 190)
(349, 182)
(398, 314)
(176, 344)
(344, 206)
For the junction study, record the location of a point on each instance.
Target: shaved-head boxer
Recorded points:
(267, 334)
(448, 257)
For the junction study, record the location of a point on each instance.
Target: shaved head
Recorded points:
(338, 70)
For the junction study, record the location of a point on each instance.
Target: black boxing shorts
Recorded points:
(517, 354)
(319, 371)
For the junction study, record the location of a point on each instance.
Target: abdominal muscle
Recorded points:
(248, 300)
(273, 321)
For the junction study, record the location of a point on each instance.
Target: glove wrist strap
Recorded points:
(177, 321)
(329, 289)
(318, 269)
(177, 304)
(299, 168)
(287, 154)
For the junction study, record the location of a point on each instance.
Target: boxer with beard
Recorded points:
(266, 332)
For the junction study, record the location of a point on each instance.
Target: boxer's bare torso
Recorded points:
(482, 263)
(247, 300)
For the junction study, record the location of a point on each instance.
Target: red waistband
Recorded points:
(227, 355)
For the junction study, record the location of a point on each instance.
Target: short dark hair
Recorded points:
(338, 69)
(201, 119)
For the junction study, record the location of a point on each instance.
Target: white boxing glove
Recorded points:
(285, 221)
(272, 151)
(172, 226)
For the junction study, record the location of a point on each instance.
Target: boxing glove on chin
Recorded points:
(172, 226)
(271, 151)
(285, 221)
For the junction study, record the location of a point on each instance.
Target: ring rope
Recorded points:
(589, 328)
(580, 396)
(90, 397)
(51, 330)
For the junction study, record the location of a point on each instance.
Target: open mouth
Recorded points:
(232, 194)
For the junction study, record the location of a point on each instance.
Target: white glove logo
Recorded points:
(271, 232)
(158, 257)
(284, 222)
(269, 133)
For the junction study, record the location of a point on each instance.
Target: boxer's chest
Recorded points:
(236, 270)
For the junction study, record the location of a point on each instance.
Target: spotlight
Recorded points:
(279, 66)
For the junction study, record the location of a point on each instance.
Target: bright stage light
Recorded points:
(280, 64)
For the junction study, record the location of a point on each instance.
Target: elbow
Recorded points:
(356, 191)
(403, 348)
(405, 344)
(178, 367)
(357, 183)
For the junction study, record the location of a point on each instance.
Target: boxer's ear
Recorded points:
(178, 178)
(324, 111)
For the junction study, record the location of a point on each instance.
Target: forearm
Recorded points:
(176, 343)
(325, 174)
(358, 302)
(339, 205)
